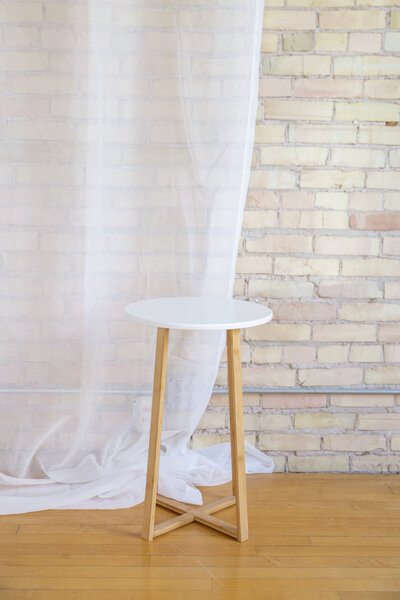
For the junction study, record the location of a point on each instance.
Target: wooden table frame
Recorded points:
(188, 514)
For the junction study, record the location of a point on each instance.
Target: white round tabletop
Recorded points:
(198, 312)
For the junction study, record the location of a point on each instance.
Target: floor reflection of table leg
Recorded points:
(237, 432)
(153, 463)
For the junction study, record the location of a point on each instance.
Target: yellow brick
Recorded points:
(323, 134)
(324, 420)
(318, 3)
(223, 400)
(259, 219)
(318, 464)
(269, 42)
(297, 42)
(274, 377)
(280, 464)
(395, 443)
(332, 354)
(289, 19)
(289, 442)
(344, 333)
(377, 2)
(266, 288)
(276, 243)
(282, 65)
(267, 354)
(366, 65)
(269, 134)
(306, 266)
(331, 42)
(296, 155)
(391, 201)
(209, 439)
(322, 377)
(394, 158)
(325, 178)
(371, 267)
(29, 12)
(379, 88)
(20, 36)
(365, 354)
(275, 179)
(395, 19)
(60, 38)
(352, 19)
(366, 111)
(388, 180)
(357, 157)
(334, 200)
(347, 288)
(289, 109)
(392, 290)
(354, 443)
(365, 42)
(371, 463)
(316, 219)
(382, 376)
(379, 422)
(266, 422)
(254, 264)
(370, 312)
(361, 400)
(212, 420)
(280, 332)
(270, 87)
(392, 353)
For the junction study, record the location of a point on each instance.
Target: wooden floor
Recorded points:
(312, 537)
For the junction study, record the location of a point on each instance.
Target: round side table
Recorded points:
(198, 313)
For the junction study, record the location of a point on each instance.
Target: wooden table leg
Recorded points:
(153, 462)
(237, 432)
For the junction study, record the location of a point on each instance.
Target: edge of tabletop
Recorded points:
(199, 326)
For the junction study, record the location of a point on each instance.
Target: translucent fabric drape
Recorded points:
(129, 185)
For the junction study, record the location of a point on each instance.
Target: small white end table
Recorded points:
(198, 313)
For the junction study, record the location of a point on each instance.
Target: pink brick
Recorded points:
(271, 87)
(297, 200)
(327, 88)
(262, 199)
(389, 333)
(299, 354)
(366, 201)
(303, 311)
(376, 221)
(24, 107)
(293, 400)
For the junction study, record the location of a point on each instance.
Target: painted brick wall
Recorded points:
(321, 239)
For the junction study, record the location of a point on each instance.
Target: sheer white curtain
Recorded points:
(131, 186)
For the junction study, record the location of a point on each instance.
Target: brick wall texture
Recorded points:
(321, 239)
(320, 242)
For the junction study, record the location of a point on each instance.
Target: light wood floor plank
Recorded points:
(312, 537)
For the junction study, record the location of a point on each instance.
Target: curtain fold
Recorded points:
(130, 185)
